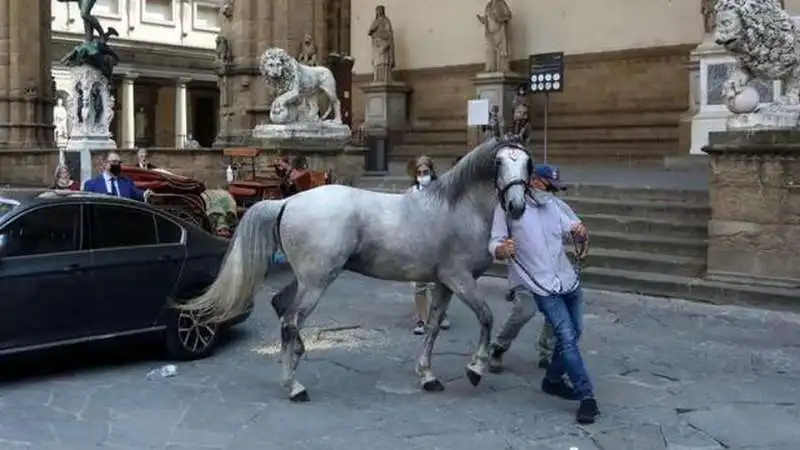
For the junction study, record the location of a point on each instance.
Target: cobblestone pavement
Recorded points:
(668, 374)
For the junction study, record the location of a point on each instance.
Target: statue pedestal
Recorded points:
(321, 135)
(386, 105)
(91, 110)
(500, 88)
(771, 118)
(754, 231)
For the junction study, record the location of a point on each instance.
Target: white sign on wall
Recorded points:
(478, 112)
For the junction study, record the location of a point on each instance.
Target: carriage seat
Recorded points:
(162, 182)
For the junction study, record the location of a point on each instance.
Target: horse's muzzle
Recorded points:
(515, 211)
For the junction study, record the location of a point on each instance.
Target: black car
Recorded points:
(83, 267)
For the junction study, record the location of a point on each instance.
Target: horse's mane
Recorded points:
(475, 167)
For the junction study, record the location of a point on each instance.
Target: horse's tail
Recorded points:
(245, 265)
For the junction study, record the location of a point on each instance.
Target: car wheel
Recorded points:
(188, 338)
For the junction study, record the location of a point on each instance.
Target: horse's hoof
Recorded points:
(300, 397)
(473, 377)
(433, 386)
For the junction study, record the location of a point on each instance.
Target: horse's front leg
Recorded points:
(464, 285)
(440, 300)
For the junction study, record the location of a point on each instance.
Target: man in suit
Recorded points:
(143, 162)
(111, 183)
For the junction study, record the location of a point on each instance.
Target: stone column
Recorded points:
(181, 114)
(754, 231)
(26, 86)
(128, 111)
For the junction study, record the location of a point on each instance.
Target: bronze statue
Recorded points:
(94, 50)
(90, 22)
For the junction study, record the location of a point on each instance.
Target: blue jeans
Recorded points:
(565, 313)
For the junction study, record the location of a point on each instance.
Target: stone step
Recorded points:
(676, 227)
(690, 288)
(648, 243)
(675, 286)
(615, 192)
(639, 208)
(638, 261)
(612, 258)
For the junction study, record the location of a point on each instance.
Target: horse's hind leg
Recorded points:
(464, 285)
(283, 300)
(292, 348)
(440, 299)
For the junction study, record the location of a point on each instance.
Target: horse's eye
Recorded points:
(497, 162)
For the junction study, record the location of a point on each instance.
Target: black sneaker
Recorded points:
(587, 411)
(419, 330)
(544, 363)
(559, 389)
(496, 359)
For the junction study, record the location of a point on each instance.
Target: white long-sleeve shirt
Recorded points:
(539, 240)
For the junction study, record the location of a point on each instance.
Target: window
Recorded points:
(5, 207)
(118, 227)
(168, 232)
(206, 16)
(106, 8)
(161, 11)
(48, 230)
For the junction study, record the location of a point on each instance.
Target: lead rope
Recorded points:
(577, 262)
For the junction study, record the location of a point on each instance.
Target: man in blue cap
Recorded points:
(541, 274)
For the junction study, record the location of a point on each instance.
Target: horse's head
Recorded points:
(514, 167)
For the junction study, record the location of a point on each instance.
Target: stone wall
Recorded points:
(615, 105)
(755, 205)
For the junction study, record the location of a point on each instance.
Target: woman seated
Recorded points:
(64, 181)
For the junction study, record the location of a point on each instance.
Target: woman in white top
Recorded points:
(422, 173)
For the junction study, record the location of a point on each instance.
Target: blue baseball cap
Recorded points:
(551, 174)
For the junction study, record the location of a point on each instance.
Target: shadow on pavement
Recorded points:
(91, 358)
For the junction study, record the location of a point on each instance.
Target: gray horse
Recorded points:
(438, 234)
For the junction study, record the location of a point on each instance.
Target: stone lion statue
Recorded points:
(764, 40)
(297, 87)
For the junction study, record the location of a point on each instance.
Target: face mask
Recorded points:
(115, 169)
(424, 180)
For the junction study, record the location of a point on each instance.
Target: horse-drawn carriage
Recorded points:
(281, 179)
(218, 210)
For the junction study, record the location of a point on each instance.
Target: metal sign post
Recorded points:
(546, 75)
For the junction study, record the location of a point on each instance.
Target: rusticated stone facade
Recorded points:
(755, 205)
(26, 86)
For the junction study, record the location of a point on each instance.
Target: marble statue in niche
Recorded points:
(308, 51)
(140, 122)
(382, 36)
(60, 121)
(495, 20)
